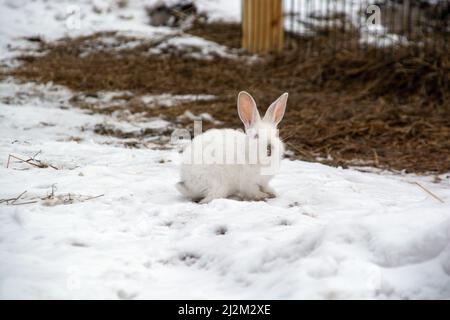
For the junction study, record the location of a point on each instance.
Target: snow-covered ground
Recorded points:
(110, 224)
(309, 14)
(55, 19)
(58, 18)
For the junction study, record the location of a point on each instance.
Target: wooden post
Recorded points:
(262, 26)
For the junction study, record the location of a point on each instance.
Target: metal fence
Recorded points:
(419, 25)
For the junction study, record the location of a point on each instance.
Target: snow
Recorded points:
(110, 224)
(188, 115)
(308, 14)
(52, 20)
(55, 19)
(195, 46)
(169, 100)
(221, 10)
(331, 233)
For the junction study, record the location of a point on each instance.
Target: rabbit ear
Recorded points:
(276, 110)
(248, 112)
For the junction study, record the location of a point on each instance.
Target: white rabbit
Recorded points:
(219, 163)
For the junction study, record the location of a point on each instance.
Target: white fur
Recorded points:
(219, 179)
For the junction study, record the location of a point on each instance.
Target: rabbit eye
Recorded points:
(269, 150)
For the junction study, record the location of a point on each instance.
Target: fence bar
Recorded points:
(423, 26)
(262, 26)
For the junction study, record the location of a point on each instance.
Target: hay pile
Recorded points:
(345, 108)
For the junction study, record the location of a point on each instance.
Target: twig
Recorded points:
(36, 163)
(26, 161)
(6, 200)
(375, 158)
(94, 197)
(33, 157)
(429, 192)
(18, 204)
(13, 199)
(20, 195)
(51, 196)
(284, 139)
(306, 155)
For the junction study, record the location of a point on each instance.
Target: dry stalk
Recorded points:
(429, 192)
(31, 161)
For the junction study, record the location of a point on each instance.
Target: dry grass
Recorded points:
(226, 34)
(386, 110)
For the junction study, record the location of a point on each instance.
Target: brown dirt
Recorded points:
(385, 110)
(226, 34)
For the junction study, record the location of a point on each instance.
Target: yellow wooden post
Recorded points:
(262, 26)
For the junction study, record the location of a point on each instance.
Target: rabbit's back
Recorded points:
(216, 160)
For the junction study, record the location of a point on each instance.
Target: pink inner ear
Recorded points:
(246, 109)
(276, 110)
(279, 112)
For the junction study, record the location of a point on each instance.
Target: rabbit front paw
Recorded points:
(268, 190)
(257, 195)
